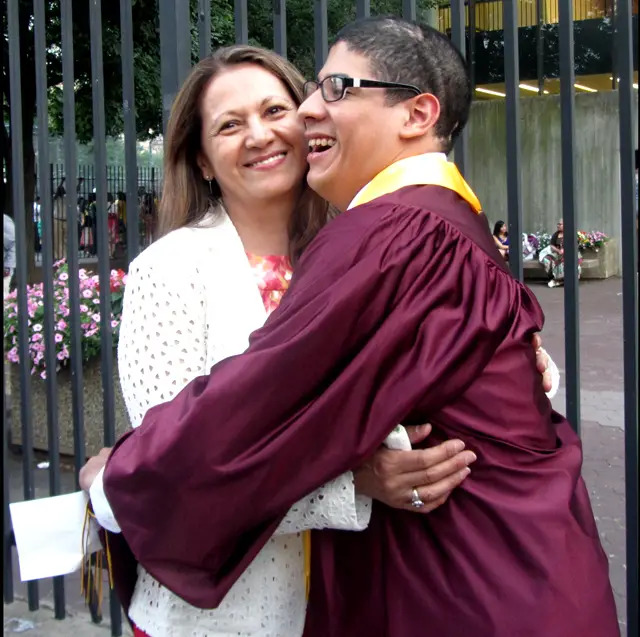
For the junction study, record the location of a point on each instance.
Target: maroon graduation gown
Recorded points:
(401, 310)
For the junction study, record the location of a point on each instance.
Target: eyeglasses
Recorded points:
(334, 87)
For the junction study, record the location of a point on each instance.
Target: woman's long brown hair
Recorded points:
(185, 194)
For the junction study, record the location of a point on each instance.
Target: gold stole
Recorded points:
(429, 169)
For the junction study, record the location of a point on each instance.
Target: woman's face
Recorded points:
(503, 228)
(560, 226)
(252, 142)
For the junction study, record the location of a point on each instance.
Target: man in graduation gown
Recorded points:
(401, 310)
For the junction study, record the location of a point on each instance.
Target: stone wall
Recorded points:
(597, 163)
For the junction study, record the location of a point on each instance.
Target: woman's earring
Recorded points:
(209, 179)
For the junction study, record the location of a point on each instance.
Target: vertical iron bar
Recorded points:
(175, 51)
(571, 298)
(204, 28)
(19, 217)
(472, 46)
(47, 274)
(241, 21)
(614, 40)
(7, 563)
(129, 117)
(72, 235)
(624, 42)
(409, 9)
(458, 38)
(100, 159)
(280, 27)
(321, 31)
(363, 9)
(514, 185)
(539, 46)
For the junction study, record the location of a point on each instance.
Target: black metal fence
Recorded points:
(176, 50)
(83, 190)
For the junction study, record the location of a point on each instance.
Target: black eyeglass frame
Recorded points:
(353, 82)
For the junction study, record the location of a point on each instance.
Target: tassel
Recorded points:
(92, 568)
(306, 543)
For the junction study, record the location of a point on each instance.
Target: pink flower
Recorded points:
(37, 327)
(87, 294)
(114, 323)
(43, 374)
(84, 308)
(95, 317)
(36, 337)
(63, 276)
(61, 355)
(61, 325)
(58, 338)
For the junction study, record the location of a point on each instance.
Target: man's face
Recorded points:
(358, 134)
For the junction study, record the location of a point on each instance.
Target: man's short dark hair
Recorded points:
(410, 53)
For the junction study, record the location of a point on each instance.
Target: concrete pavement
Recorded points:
(601, 350)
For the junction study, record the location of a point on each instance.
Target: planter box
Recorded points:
(534, 271)
(595, 265)
(92, 398)
(601, 264)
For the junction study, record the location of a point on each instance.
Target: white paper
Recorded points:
(48, 534)
(398, 439)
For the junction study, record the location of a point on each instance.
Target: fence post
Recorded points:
(628, 203)
(280, 27)
(514, 185)
(321, 33)
(129, 115)
(19, 215)
(46, 216)
(175, 51)
(567, 117)
(459, 39)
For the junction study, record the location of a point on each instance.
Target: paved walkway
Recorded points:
(602, 431)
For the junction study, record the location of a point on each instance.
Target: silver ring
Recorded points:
(415, 499)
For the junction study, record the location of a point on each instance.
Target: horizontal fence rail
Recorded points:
(98, 214)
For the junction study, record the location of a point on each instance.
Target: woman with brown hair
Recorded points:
(234, 216)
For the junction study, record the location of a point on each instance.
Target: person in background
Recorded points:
(37, 222)
(112, 225)
(121, 212)
(501, 238)
(552, 257)
(9, 252)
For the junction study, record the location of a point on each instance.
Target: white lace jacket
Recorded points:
(191, 301)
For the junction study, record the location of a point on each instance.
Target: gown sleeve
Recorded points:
(377, 321)
(163, 346)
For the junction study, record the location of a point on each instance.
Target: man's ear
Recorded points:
(421, 114)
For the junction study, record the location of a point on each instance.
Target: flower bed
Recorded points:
(89, 289)
(92, 395)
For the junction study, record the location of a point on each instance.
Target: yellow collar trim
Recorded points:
(421, 170)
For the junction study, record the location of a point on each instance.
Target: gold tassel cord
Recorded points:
(306, 542)
(92, 568)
